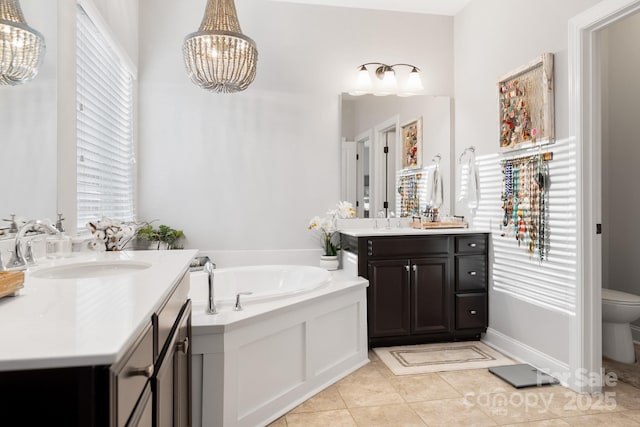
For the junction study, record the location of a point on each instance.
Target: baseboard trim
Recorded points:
(525, 354)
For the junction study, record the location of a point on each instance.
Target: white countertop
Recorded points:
(406, 231)
(81, 322)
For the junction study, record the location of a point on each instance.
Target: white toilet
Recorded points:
(619, 309)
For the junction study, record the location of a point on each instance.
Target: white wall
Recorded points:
(620, 154)
(493, 37)
(28, 128)
(248, 170)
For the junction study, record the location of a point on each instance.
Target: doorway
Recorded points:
(585, 113)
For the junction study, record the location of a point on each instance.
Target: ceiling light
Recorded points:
(21, 47)
(218, 56)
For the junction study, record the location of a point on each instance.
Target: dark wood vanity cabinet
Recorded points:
(423, 288)
(408, 296)
(149, 386)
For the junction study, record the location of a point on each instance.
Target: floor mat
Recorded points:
(425, 358)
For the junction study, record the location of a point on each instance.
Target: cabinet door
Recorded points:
(182, 374)
(172, 383)
(143, 414)
(388, 298)
(430, 296)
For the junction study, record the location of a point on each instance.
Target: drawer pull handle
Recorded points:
(473, 312)
(407, 267)
(473, 245)
(183, 347)
(472, 273)
(414, 267)
(145, 372)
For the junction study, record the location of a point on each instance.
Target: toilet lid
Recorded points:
(619, 297)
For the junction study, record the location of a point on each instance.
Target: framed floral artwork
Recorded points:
(412, 144)
(526, 105)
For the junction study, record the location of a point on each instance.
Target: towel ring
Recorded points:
(470, 149)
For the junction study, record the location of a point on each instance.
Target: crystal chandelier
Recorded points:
(218, 56)
(21, 47)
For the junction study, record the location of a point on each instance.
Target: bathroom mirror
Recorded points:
(372, 146)
(28, 127)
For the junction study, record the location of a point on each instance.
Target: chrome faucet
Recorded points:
(204, 263)
(18, 261)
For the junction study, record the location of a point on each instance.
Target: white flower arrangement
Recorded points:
(328, 226)
(114, 233)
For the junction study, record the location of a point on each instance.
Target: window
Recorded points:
(105, 145)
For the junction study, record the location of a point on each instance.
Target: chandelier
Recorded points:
(218, 56)
(387, 83)
(21, 47)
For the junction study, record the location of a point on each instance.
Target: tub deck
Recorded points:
(251, 367)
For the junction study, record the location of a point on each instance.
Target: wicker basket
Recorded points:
(10, 282)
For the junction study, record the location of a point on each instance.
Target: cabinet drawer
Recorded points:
(471, 273)
(471, 311)
(166, 316)
(132, 374)
(474, 243)
(407, 246)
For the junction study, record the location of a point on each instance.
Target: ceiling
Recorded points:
(434, 7)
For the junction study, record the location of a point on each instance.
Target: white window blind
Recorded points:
(552, 283)
(105, 146)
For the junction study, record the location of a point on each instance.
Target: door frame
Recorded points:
(362, 140)
(585, 126)
(384, 171)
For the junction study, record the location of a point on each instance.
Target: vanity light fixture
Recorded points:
(218, 56)
(21, 47)
(387, 83)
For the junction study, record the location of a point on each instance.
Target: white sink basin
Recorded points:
(89, 270)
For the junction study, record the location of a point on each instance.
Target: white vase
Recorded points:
(330, 262)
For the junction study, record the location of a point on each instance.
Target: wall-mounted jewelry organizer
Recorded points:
(525, 189)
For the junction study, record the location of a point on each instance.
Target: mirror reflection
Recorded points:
(28, 123)
(396, 154)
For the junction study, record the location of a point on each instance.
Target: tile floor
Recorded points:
(374, 397)
(626, 372)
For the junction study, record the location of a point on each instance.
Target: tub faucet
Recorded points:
(238, 306)
(204, 263)
(18, 260)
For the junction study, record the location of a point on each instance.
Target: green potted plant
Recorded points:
(163, 237)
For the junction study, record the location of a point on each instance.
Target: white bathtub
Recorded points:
(303, 329)
(264, 282)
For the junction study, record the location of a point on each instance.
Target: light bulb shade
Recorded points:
(388, 84)
(414, 84)
(363, 82)
(219, 57)
(21, 47)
